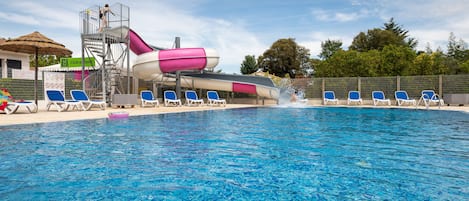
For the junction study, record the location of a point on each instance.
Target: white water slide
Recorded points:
(151, 65)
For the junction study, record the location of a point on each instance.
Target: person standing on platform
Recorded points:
(103, 12)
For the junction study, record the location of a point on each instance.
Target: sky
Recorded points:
(236, 28)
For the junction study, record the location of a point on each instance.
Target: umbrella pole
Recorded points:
(35, 78)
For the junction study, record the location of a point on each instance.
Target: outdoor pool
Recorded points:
(242, 154)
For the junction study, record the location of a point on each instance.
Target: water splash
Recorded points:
(291, 97)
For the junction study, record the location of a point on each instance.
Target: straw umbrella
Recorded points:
(37, 44)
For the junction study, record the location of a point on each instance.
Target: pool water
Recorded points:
(242, 154)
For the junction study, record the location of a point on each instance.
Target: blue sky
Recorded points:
(239, 28)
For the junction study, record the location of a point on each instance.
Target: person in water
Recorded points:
(103, 12)
(294, 97)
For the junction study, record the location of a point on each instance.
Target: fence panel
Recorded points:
(444, 84)
(415, 84)
(386, 84)
(313, 87)
(23, 89)
(455, 84)
(340, 86)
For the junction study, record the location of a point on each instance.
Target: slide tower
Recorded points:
(111, 74)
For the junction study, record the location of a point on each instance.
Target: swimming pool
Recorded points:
(242, 154)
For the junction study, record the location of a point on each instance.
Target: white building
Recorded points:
(15, 65)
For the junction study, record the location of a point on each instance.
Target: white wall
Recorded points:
(24, 73)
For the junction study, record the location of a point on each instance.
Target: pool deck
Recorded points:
(22, 116)
(42, 116)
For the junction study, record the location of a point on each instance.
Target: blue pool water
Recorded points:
(242, 154)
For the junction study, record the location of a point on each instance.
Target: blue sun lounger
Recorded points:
(378, 97)
(329, 96)
(214, 99)
(56, 97)
(354, 97)
(192, 98)
(170, 98)
(81, 96)
(147, 98)
(402, 98)
(429, 97)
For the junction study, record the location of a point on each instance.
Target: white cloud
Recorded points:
(332, 16)
(435, 38)
(423, 9)
(313, 41)
(430, 22)
(345, 17)
(36, 13)
(16, 18)
(233, 45)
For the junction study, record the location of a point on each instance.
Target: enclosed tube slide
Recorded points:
(151, 64)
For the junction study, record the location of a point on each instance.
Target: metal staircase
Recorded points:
(111, 52)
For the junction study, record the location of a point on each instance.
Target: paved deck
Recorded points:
(22, 116)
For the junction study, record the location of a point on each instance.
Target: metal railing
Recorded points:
(90, 21)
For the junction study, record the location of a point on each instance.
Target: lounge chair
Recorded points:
(378, 97)
(147, 98)
(354, 97)
(214, 99)
(10, 105)
(329, 96)
(403, 98)
(170, 98)
(56, 97)
(192, 98)
(429, 97)
(81, 96)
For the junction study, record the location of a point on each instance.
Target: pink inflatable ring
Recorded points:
(118, 115)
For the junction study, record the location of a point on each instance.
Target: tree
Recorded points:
(400, 32)
(438, 65)
(349, 63)
(457, 49)
(391, 61)
(303, 57)
(464, 68)
(43, 60)
(375, 39)
(329, 47)
(422, 65)
(396, 60)
(434, 63)
(285, 57)
(249, 65)
(457, 55)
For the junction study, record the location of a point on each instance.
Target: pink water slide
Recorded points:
(150, 63)
(137, 44)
